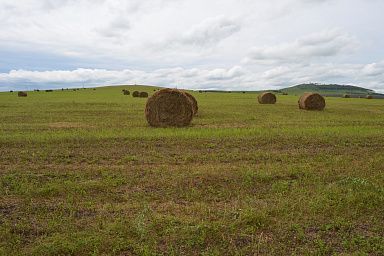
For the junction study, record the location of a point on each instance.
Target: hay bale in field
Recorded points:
(346, 96)
(22, 94)
(48, 90)
(143, 95)
(369, 97)
(312, 101)
(126, 92)
(169, 107)
(136, 94)
(193, 100)
(267, 98)
(285, 93)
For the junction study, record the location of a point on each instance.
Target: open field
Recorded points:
(81, 173)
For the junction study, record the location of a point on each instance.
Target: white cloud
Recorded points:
(210, 31)
(323, 44)
(233, 78)
(191, 43)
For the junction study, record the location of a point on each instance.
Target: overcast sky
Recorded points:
(195, 44)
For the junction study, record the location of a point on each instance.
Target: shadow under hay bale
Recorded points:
(267, 98)
(346, 96)
(193, 100)
(311, 101)
(169, 107)
(136, 94)
(369, 97)
(126, 92)
(22, 94)
(143, 95)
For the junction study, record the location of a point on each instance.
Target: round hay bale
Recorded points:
(267, 98)
(193, 100)
(22, 94)
(369, 97)
(136, 94)
(126, 92)
(143, 95)
(312, 101)
(169, 107)
(346, 96)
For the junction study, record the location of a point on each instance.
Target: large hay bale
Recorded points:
(126, 92)
(369, 97)
(136, 94)
(22, 94)
(346, 96)
(143, 95)
(267, 98)
(169, 107)
(312, 101)
(193, 100)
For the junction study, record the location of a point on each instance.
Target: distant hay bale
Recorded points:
(143, 95)
(346, 96)
(193, 100)
(312, 101)
(285, 93)
(369, 97)
(267, 98)
(22, 94)
(169, 107)
(126, 92)
(136, 94)
(48, 90)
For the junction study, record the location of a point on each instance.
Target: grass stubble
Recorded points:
(81, 173)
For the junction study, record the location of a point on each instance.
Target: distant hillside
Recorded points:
(328, 89)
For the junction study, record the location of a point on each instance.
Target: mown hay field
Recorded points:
(82, 173)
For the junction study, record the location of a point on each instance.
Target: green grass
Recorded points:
(81, 173)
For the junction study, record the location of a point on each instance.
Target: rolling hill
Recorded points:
(329, 89)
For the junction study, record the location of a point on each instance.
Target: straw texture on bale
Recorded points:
(136, 94)
(369, 97)
(143, 95)
(193, 100)
(22, 94)
(267, 98)
(169, 107)
(311, 101)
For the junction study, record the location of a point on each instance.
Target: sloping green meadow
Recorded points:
(81, 173)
